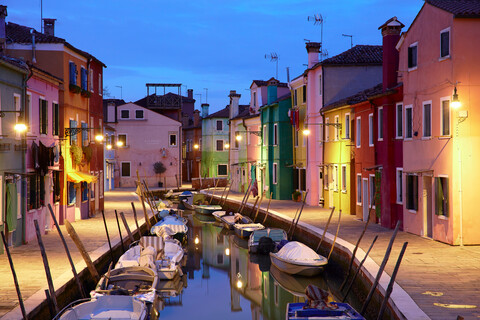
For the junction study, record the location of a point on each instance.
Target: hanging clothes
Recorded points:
(11, 206)
(35, 151)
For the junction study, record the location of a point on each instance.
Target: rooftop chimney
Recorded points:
(184, 120)
(272, 86)
(313, 49)
(391, 34)
(234, 101)
(3, 14)
(49, 26)
(196, 118)
(190, 93)
(205, 110)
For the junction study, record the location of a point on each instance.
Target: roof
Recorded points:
(358, 55)
(262, 83)
(356, 98)
(20, 64)
(116, 102)
(243, 111)
(459, 8)
(281, 98)
(224, 113)
(143, 102)
(16, 33)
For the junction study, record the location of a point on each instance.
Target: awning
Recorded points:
(77, 177)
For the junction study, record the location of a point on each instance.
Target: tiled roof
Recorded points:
(459, 8)
(262, 83)
(284, 97)
(356, 98)
(15, 62)
(224, 113)
(117, 102)
(358, 55)
(243, 111)
(16, 33)
(143, 102)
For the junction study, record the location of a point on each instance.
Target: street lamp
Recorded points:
(20, 127)
(196, 146)
(227, 146)
(455, 101)
(99, 137)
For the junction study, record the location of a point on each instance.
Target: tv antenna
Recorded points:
(351, 38)
(273, 57)
(318, 21)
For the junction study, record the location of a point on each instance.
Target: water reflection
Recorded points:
(224, 281)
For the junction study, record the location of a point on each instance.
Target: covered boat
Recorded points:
(105, 307)
(276, 235)
(230, 220)
(244, 230)
(171, 225)
(298, 259)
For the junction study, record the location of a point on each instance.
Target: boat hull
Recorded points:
(296, 311)
(294, 268)
(207, 209)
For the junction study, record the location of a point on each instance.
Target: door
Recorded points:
(188, 170)
(365, 199)
(427, 207)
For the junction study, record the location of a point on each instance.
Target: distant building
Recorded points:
(191, 153)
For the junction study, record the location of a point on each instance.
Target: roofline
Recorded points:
(14, 67)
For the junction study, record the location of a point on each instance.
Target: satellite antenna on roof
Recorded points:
(273, 57)
(318, 21)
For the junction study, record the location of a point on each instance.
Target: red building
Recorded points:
(191, 151)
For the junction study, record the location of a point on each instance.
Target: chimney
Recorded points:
(196, 118)
(205, 110)
(184, 120)
(234, 101)
(49, 26)
(3, 14)
(391, 34)
(272, 92)
(190, 93)
(313, 49)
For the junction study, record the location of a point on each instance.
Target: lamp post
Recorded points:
(461, 116)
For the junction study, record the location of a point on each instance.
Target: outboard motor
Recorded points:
(265, 245)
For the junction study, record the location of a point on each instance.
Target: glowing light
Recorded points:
(20, 127)
(306, 131)
(227, 146)
(238, 138)
(119, 143)
(197, 240)
(196, 146)
(109, 147)
(227, 252)
(99, 137)
(239, 284)
(455, 101)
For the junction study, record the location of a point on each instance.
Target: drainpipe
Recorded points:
(34, 60)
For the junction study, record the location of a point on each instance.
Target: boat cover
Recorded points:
(249, 226)
(297, 251)
(173, 224)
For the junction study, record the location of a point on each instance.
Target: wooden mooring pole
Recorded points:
(119, 232)
(108, 236)
(136, 220)
(125, 224)
(326, 228)
(228, 192)
(259, 204)
(213, 193)
(223, 193)
(15, 280)
(299, 214)
(268, 208)
(336, 234)
(245, 197)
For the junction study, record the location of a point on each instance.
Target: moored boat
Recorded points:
(207, 208)
(298, 259)
(244, 230)
(230, 220)
(276, 235)
(171, 226)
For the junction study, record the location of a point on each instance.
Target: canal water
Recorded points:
(222, 280)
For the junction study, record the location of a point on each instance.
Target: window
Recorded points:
(358, 137)
(43, 116)
(380, 124)
(73, 73)
(327, 129)
(445, 117)
(84, 134)
(304, 94)
(124, 114)
(139, 114)
(219, 125)
(220, 259)
(72, 193)
(335, 177)
(55, 119)
(83, 78)
(73, 137)
(325, 179)
(427, 120)
(399, 121)
(123, 139)
(254, 99)
(347, 126)
(303, 179)
(222, 170)
(100, 92)
(295, 97)
(220, 145)
(337, 130)
(172, 139)
(275, 134)
(264, 135)
(411, 192)
(370, 130)
(320, 85)
(84, 186)
(274, 173)
(28, 109)
(399, 180)
(408, 122)
(359, 189)
(35, 191)
(125, 167)
(371, 181)
(91, 80)
(344, 178)
(441, 196)
(412, 56)
(445, 43)
(56, 186)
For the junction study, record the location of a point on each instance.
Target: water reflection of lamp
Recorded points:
(197, 240)
(239, 281)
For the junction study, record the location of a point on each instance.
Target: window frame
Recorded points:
(275, 134)
(344, 178)
(304, 93)
(399, 107)
(371, 191)
(410, 61)
(370, 130)
(399, 186)
(408, 206)
(449, 44)
(125, 140)
(121, 114)
(55, 118)
(129, 169)
(217, 122)
(358, 129)
(143, 114)
(42, 111)
(380, 122)
(408, 135)
(170, 135)
(358, 198)
(442, 133)
(347, 126)
(264, 135)
(446, 206)
(218, 171)
(274, 173)
(424, 122)
(223, 144)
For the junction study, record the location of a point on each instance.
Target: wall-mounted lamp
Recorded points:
(238, 137)
(227, 146)
(109, 147)
(306, 131)
(20, 127)
(99, 137)
(196, 146)
(119, 143)
(455, 101)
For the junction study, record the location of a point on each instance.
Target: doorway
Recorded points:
(427, 207)
(365, 199)
(320, 187)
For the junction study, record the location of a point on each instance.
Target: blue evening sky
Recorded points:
(215, 44)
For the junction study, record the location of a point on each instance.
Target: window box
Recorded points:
(297, 196)
(86, 93)
(74, 88)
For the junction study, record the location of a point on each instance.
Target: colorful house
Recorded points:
(191, 153)
(277, 152)
(438, 67)
(352, 69)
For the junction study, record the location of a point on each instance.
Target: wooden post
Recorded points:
(224, 189)
(108, 237)
(255, 204)
(268, 207)
(15, 280)
(119, 231)
(326, 227)
(392, 281)
(136, 221)
(91, 267)
(165, 183)
(228, 192)
(248, 196)
(47, 268)
(126, 227)
(258, 208)
(213, 193)
(299, 214)
(380, 271)
(149, 199)
(72, 265)
(359, 268)
(51, 306)
(336, 234)
(147, 219)
(244, 196)
(293, 221)
(355, 251)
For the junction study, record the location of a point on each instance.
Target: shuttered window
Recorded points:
(441, 196)
(43, 106)
(412, 192)
(445, 44)
(73, 137)
(84, 77)
(55, 119)
(73, 73)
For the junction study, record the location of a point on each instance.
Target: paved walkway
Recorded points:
(441, 279)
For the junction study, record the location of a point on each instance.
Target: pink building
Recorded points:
(42, 157)
(438, 63)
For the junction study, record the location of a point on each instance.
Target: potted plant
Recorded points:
(77, 153)
(159, 168)
(86, 93)
(297, 196)
(74, 88)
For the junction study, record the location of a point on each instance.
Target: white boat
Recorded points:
(275, 234)
(219, 214)
(298, 259)
(169, 226)
(230, 220)
(169, 266)
(105, 307)
(244, 230)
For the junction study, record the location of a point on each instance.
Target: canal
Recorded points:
(222, 280)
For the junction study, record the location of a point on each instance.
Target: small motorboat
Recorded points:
(298, 259)
(169, 265)
(220, 213)
(264, 246)
(244, 230)
(186, 196)
(105, 307)
(318, 306)
(207, 208)
(230, 220)
(170, 226)
(184, 204)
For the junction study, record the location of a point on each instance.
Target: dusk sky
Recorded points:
(215, 44)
